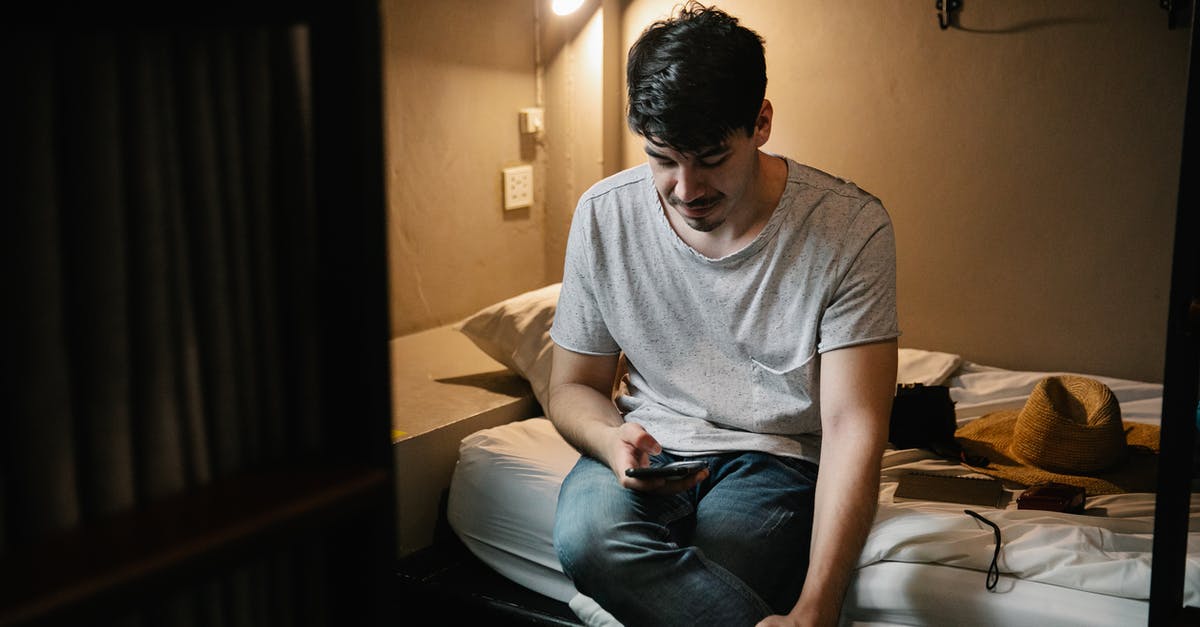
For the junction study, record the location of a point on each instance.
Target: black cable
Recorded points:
(993, 573)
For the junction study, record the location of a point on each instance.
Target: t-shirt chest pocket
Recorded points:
(781, 392)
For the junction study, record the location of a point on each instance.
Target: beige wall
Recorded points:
(1029, 160)
(456, 74)
(573, 56)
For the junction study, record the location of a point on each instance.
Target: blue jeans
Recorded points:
(728, 552)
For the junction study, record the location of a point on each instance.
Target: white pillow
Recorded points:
(928, 367)
(516, 333)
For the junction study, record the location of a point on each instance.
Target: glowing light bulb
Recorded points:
(565, 7)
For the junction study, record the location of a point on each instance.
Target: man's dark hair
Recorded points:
(695, 78)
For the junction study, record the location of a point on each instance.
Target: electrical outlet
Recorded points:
(518, 187)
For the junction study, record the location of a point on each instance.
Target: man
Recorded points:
(754, 301)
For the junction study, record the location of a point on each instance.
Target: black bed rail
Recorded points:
(1177, 461)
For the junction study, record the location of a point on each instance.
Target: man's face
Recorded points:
(704, 188)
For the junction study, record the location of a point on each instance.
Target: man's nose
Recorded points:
(689, 185)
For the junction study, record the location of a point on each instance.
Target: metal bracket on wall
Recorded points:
(946, 9)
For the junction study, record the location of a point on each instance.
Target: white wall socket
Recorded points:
(518, 187)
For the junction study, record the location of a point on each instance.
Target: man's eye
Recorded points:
(666, 163)
(712, 163)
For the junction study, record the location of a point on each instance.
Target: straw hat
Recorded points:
(1069, 431)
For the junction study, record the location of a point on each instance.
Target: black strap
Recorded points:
(993, 574)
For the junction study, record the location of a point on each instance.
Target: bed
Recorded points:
(925, 562)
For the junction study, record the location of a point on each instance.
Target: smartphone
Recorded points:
(674, 470)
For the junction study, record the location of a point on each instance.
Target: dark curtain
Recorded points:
(160, 237)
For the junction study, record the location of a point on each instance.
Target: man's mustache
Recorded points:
(698, 204)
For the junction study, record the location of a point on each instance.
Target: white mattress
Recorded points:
(1057, 569)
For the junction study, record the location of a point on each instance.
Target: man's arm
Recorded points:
(857, 387)
(581, 407)
(582, 411)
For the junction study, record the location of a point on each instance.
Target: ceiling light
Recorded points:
(565, 7)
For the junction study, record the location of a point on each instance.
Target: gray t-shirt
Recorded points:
(724, 354)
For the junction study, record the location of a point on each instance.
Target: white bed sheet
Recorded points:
(1058, 568)
(903, 593)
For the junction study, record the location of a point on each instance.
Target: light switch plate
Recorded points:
(532, 119)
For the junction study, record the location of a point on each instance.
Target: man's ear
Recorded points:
(762, 124)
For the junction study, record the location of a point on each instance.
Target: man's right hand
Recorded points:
(582, 410)
(632, 448)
